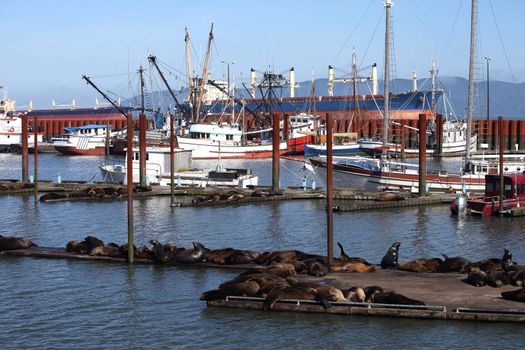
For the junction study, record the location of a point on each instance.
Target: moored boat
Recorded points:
(82, 140)
(490, 204)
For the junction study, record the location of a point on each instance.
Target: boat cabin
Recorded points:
(87, 130)
(513, 196)
(225, 132)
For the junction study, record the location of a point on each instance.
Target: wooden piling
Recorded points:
(25, 152)
(35, 156)
(276, 140)
(422, 155)
(130, 186)
(172, 161)
(329, 191)
(501, 178)
(142, 149)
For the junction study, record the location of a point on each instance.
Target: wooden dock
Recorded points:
(445, 294)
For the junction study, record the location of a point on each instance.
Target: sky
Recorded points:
(49, 44)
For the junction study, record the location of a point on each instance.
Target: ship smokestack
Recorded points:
(292, 82)
(331, 79)
(253, 82)
(374, 79)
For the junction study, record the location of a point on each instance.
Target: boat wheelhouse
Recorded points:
(513, 195)
(83, 140)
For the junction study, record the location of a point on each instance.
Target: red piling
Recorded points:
(142, 149)
(501, 178)
(276, 140)
(35, 155)
(130, 186)
(25, 152)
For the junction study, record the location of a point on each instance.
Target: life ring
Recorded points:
(12, 129)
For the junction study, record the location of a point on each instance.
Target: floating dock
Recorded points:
(446, 296)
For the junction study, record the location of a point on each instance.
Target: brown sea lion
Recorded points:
(93, 242)
(218, 256)
(343, 257)
(421, 265)
(390, 260)
(212, 295)
(247, 288)
(97, 193)
(517, 278)
(268, 287)
(111, 192)
(331, 293)
(476, 277)
(78, 247)
(389, 197)
(515, 295)
(354, 294)
(498, 278)
(158, 254)
(293, 293)
(352, 267)
(506, 262)
(488, 265)
(79, 194)
(15, 243)
(371, 291)
(107, 250)
(394, 298)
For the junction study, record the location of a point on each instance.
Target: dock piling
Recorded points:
(142, 149)
(276, 140)
(329, 191)
(172, 161)
(129, 171)
(501, 178)
(422, 155)
(35, 156)
(25, 151)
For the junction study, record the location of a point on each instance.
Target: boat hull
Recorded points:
(74, 151)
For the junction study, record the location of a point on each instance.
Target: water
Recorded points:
(64, 304)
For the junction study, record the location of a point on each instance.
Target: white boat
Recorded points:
(82, 140)
(225, 140)
(158, 171)
(11, 126)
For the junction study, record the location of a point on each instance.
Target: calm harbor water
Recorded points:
(60, 304)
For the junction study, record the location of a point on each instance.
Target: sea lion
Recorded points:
(212, 295)
(351, 267)
(315, 267)
(421, 265)
(455, 264)
(78, 247)
(389, 197)
(506, 262)
(394, 298)
(97, 193)
(15, 243)
(371, 291)
(517, 278)
(138, 189)
(488, 265)
(247, 288)
(92, 242)
(354, 294)
(498, 278)
(106, 250)
(196, 255)
(514, 295)
(390, 260)
(158, 254)
(52, 196)
(241, 257)
(218, 256)
(476, 277)
(342, 256)
(331, 293)
(270, 286)
(235, 197)
(79, 194)
(293, 293)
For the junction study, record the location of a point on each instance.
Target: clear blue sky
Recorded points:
(48, 45)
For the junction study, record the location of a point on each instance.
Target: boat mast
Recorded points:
(188, 67)
(433, 73)
(203, 80)
(388, 6)
(141, 73)
(470, 102)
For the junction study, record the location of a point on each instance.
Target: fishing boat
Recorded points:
(83, 140)
(158, 171)
(489, 203)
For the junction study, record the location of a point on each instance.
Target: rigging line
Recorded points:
(353, 30)
(502, 45)
(380, 20)
(450, 36)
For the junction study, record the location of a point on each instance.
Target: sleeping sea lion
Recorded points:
(456, 264)
(212, 295)
(421, 265)
(390, 260)
(517, 278)
(52, 196)
(78, 247)
(93, 242)
(241, 257)
(293, 293)
(106, 250)
(498, 278)
(354, 294)
(15, 243)
(515, 295)
(394, 298)
(476, 277)
(247, 288)
(371, 291)
(352, 267)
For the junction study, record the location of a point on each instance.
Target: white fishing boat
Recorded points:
(158, 171)
(82, 140)
(225, 140)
